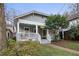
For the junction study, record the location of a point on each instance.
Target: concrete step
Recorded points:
(44, 41)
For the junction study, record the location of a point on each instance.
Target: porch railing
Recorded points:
(27, 36)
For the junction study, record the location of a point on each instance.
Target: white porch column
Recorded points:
(17, 33)
(36, 29)
(18, 27)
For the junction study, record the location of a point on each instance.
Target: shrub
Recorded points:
(11, 44)
(21, 48)
(29, 48)
(8, 52)
(11, 48)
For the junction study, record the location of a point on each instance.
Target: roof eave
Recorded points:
(40, 13)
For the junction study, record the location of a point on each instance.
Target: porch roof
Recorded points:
(31, 22)
(32, 12)
(66, 29)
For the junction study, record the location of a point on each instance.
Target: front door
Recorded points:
(43, 33)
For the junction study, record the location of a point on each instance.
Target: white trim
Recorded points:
(31, 22)
(66, 29)
(33, 11)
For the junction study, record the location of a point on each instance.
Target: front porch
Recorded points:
(32, 32)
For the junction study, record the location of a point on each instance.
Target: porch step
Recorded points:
(44, 41)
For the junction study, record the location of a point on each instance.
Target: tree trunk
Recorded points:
(2, 28)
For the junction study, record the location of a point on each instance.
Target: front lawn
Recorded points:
(32, 49)
(68, 44)
(50, 51)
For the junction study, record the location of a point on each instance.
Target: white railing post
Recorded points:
(39, 37)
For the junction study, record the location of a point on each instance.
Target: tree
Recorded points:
(74, 7)
(2, 28)
(74, 11)
(9, 16)
(56, 23)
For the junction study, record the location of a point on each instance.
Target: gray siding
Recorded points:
(35, 18)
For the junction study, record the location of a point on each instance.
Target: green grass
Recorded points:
(33, 49)
(72, 45)
(49, 51)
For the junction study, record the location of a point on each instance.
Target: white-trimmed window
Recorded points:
(27, 29)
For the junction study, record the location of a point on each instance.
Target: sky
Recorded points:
(48, 8)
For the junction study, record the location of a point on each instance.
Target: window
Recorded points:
(26, 28)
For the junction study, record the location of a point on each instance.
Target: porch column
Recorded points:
(17, 33)
(18, 27)
(48, 36)
(36, 29)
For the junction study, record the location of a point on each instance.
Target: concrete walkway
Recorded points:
(65, 49)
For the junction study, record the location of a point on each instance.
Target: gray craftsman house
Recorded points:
(31, 26)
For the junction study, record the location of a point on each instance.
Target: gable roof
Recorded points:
(31, 12)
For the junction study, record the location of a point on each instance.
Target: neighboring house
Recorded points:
(10, 31)
(73, 21)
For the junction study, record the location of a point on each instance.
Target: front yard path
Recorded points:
(65, 49)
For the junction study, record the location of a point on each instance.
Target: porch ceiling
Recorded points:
(31, 22)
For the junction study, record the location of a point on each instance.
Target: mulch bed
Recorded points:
(63, 43)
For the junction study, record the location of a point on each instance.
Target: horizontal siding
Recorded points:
(35, 18)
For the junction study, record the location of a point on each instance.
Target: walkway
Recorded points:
(66, 49)
(44, 41)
